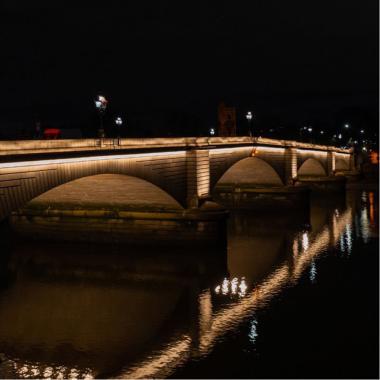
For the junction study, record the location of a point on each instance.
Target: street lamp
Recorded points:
(101, 105)
(119, 123)
(346, 126)
(249, 117)
(212, 132)
(362, 131)
(309, 129)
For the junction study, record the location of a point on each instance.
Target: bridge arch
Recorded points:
(342, 162)
(107, 191)
(20, 183)
(252, 170)
(312, 167)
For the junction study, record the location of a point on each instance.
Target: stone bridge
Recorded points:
(187, 169)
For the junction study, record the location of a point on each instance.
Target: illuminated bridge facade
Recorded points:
(187, 169)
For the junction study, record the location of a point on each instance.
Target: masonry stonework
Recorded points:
(186, 168)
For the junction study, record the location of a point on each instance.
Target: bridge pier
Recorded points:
(290, 163)
(330, 163)
(198, 177)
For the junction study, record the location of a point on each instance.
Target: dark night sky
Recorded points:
(294, 58)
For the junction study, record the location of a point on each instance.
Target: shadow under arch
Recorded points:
(312, 168)
(107, 191)
(253, 171)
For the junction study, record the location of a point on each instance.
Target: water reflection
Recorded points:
(26, 370)
(89, 313)
(313, 272)
(253, 334)
(234, 287)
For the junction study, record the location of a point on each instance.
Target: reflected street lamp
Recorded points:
(101, 106)
(249, 117)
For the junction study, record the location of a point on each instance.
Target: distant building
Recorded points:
(226, 120)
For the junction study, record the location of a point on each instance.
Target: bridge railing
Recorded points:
(46, 146)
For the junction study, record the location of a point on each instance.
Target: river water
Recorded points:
(289, 297)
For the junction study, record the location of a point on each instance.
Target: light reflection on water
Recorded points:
(313, 272)
(232, 287)
(131, 316)
(253, 333)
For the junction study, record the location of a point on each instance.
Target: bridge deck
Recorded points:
(31, 147)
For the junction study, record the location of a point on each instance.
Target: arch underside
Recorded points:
(22, 184)
(253, 171)
(342, 163)
(311, 168)
(104, 191)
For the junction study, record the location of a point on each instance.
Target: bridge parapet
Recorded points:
(78, 145)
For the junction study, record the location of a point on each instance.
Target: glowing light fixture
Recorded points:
(118, 121)
(249, 117)
(233, 287)
(101, 105)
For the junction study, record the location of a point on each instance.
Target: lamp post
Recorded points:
(310, 130)
(101, 105)
(249, 117)
(119, 123)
